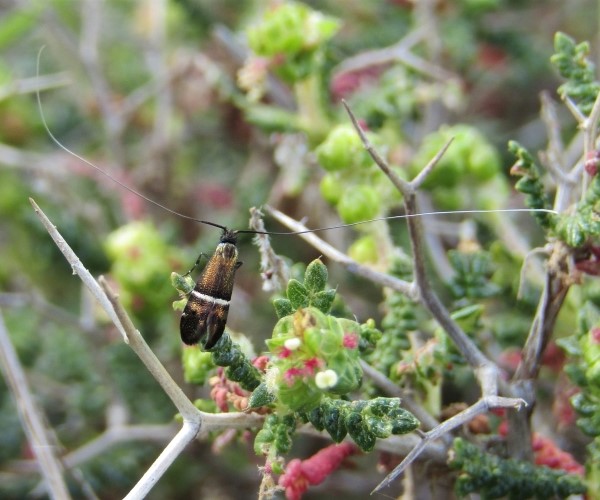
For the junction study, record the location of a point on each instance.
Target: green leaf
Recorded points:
(572, 62)
(183, 283)
(334, 420)
(283, 307)
(261, 396)
(571, 230)
(323, 300)
(403, 421)
(495, 477)
(583, 405)
(360, 432)
(316, 418)
(570, 345)
(297, 294)
(315, 277)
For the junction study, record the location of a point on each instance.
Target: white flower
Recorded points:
(326, 379)
(292, 344)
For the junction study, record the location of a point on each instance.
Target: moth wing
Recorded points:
(205, 322)
(191, 326)
(215, 324)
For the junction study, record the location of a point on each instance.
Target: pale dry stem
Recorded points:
(32, 419)
(195, 421)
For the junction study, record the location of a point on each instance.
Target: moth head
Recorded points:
(229, 236)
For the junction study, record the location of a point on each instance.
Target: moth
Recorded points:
(205, 314)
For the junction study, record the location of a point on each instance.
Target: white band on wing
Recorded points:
(208, 298)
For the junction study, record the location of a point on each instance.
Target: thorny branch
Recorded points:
(195, 421)
(557, 282)
(112, 436)
(399, 52)
(486, 371)
(34, 84)
(79, 269)
(415, 226)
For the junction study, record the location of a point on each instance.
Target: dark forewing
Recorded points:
(215, 324)
(203, 319)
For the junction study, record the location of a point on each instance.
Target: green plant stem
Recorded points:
(310, 103)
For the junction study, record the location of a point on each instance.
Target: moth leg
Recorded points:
(197, 263)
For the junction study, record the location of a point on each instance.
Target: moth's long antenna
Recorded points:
(405, 216)
(87, 162)
(250, 231)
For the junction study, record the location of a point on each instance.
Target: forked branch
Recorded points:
(195, 421)
(415, 226)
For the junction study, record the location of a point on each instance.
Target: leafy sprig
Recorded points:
(495, 477)
(364, 421)
(531, 185)
(571, 60)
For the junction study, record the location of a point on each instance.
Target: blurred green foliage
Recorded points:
(172, 104)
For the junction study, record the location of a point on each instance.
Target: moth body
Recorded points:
(205, 314)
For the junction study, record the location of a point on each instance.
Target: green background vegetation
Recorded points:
(206, 149)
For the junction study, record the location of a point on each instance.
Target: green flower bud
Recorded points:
(289, 29)
(331, 188)
(342, 149)
(284, 330)
(349, 373)
(141, 260)
(359, 203)
(484, 162)
(326, 341)
(469, 153)
(364, 250)
(280, 32)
